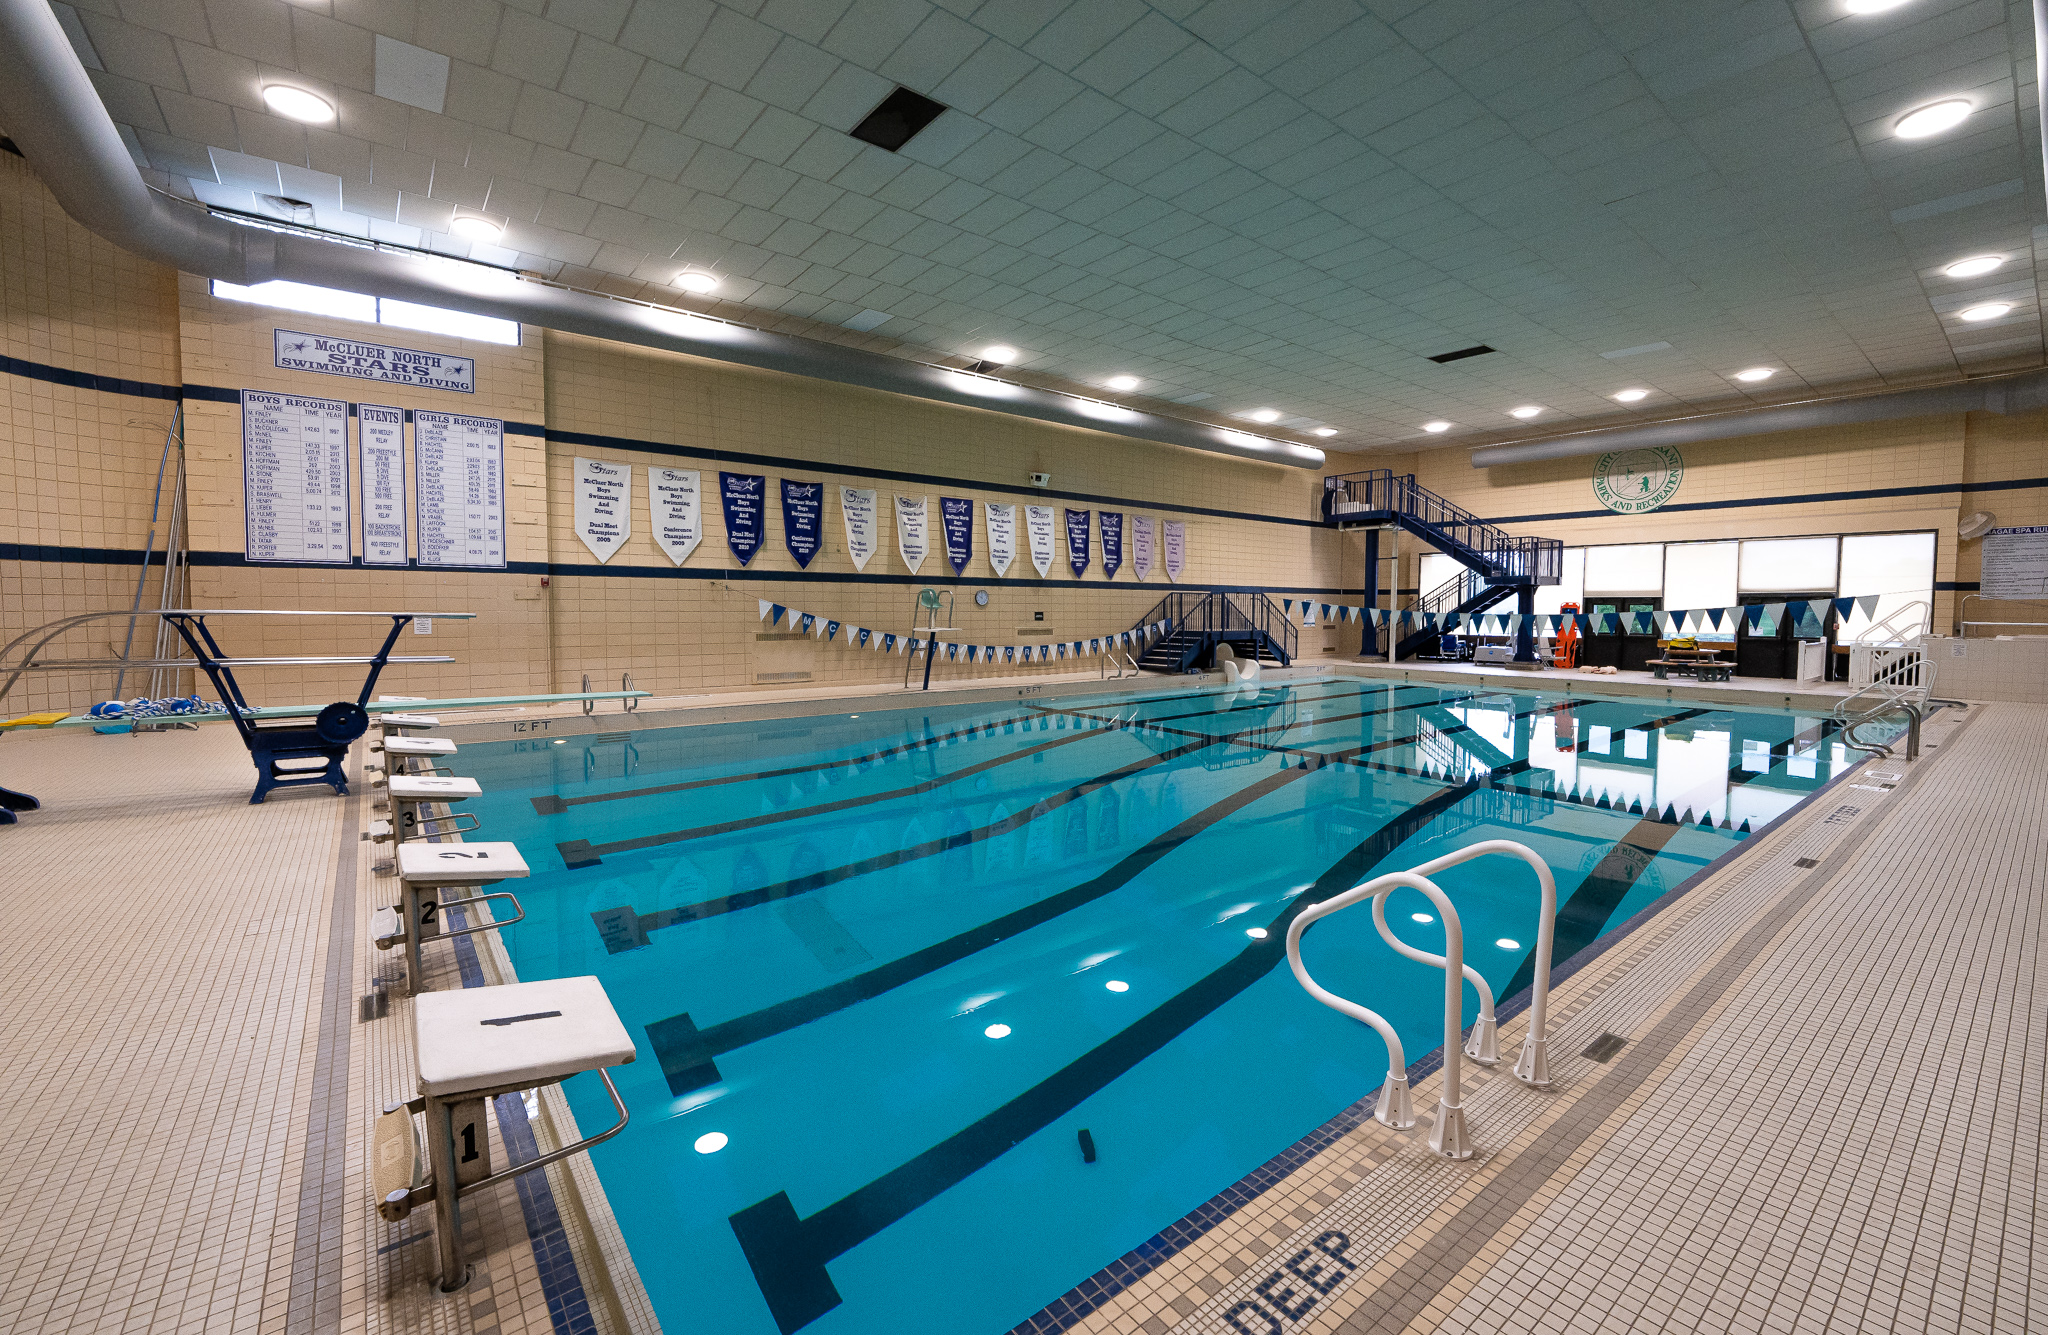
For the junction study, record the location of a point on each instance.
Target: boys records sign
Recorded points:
(373, 361)
(1634, 482)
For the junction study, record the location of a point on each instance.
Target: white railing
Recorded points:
(1448, 1136)
(1892, 647)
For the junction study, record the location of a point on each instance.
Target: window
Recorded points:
(1570, 587)
(371, 310)
(1638, 568)
(1698, 575)
(1897, 567)
(1437, 568)
(1787, 565)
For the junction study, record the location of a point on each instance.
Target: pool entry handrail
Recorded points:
(1482, 1045)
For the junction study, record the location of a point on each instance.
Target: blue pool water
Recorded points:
(894, 962)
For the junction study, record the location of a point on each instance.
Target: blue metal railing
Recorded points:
(1222, 615)
(1500, 557)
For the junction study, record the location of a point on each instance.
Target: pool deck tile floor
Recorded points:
(1826, 1114)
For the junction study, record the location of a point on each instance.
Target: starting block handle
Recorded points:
(587, 1142)
(519, 913)
(453, 821)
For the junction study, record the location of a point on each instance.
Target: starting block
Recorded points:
(425, 873)
(410, 792)
(473, 1045)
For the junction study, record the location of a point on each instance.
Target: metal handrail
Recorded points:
(1508, 559)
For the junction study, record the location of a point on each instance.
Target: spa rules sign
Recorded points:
(604, 506)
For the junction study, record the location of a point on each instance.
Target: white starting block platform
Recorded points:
(460, 864)
(416, 746)
(432, 788)
(486, 1039)
(406, 722)
(426, 872)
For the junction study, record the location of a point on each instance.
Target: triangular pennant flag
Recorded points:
(831, 630)
(1867, 604)
(1751, 612)
(765, 605)
(1844, 606)
(888, 644)
(803, 621)
(1287, 608)
(775, 614)
(860, 635)
(1714, 615)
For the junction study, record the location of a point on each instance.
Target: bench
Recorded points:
(1702, 669)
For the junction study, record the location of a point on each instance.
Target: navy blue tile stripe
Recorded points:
(1802, 498)
(106, 384)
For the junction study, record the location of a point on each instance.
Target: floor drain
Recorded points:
(1806, 862)
(1604, 1047)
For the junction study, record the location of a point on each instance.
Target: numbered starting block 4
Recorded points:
(398, 725)
(426, 875)
(473, 1045)
(413, 755)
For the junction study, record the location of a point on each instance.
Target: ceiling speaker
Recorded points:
(1975, 526)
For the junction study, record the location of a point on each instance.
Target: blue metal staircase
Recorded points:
(1250, 623)
(1464, 593)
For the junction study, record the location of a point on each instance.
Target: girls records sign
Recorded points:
(1635, 482)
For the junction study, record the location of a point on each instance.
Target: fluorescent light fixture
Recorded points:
(1265, 415)
(711, 1142)
(476, 227)
(997, 1031)
(1434, 427)
(1525, 412)
(297, 104)
(1933, 118)
(1117, 985)
(1990, 310)
(1871, 6)
(696, 280)
(981, 384)
(1246, 438)
(1122, 384)
(1632, 395)
(1325, 431)
(1002, 354)
(438, 320)
(1107, 412)
(1974, 267)
(302, 297)
(1756, 373)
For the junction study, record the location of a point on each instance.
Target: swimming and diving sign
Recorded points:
(351, 357)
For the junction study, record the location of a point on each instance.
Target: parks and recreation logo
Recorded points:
(1634, 482)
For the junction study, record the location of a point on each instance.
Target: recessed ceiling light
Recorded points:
(1632, 395)
(1526, 411)
(476, 227)
(1122, 384)
(997, 1031)
(1756, 373)
(1117, 985)
(1000, 353)
(696, 280)
(1265, 415)
(1325, 431)
(1974, 267)
(1990, 310)
(298, 104)
(1933, 118)
(1434, 427)
(1871, 6)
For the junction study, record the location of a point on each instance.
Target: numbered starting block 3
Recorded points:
(427, 873)
(473, 1045)
(411, 794)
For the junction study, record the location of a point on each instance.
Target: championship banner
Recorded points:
(675, 505)
(956, 520)
(604, 506)
(803, 519)
(742, 495)
(913, 538)
(1002, 535)
(1112, 542)
(857, 511)
(1039, 522)
(1077, 541)
(1175, 544)
(1142, 534)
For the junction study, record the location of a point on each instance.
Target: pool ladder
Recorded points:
(1448, 1137)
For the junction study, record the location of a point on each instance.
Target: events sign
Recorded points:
(1077, 541)
(803, 519)
(459, 489)
(295, 491)
(604, 506)
(1002, 535)
(1143, 537)
(913, 537)
(742, 495)
(1112, 542)
(380, 445)
(2015, 563)
(1040, 527)
(1176, 547)
(294, 351)
(675, 506)
(956, 517)
(857, 510)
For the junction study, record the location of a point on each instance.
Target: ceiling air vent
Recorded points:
(897, 120)
(1478, 350)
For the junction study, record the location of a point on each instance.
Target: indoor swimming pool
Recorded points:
(941, 1010)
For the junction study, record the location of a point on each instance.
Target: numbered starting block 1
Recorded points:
(426, 875)
(473, 1045)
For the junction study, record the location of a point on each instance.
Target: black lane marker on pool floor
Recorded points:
(789, 1254)
(688, 1055)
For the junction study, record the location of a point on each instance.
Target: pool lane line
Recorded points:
(579, 853)
(789, 1254)
(688, 1055)
(552, 804)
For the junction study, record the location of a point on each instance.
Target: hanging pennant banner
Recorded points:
(956, 519)
(1039, 523)
(803, 519)
(1112, 542)
(1077, 541)
(1174, 543)
(1142, 535)
(913, 538)
(857, 510)
(1002, 535)
(604, 506)
(675, 506)
(742, 495)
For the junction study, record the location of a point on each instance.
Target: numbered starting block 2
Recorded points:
(473, 1045)
(427, 873)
